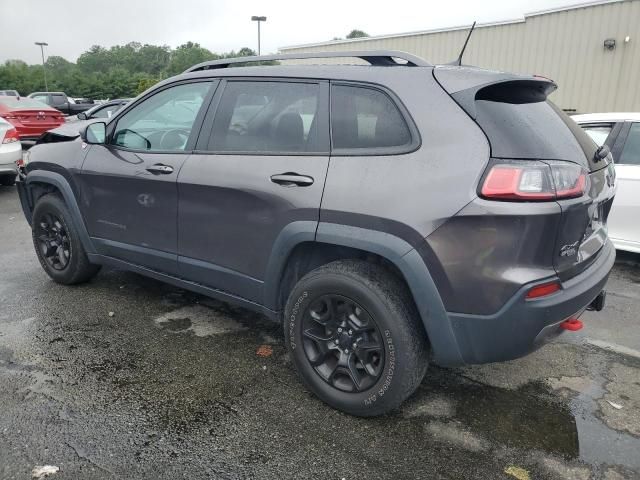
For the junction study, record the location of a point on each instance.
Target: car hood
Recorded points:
(65, 132)
(71, 129)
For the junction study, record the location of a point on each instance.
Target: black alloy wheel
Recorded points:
(343, 343)
(53, 241)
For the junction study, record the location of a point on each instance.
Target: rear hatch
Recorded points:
(522, 125)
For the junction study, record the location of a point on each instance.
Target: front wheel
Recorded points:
(57, 242)
(355, 337)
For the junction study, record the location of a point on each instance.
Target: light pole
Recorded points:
(42, 45)
(258, 19)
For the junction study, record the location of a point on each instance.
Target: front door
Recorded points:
(129, 191)
(260, 170)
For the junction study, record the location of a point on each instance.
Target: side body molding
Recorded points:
(61, 183)
(434, 316)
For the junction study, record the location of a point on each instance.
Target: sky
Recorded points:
(71, 27)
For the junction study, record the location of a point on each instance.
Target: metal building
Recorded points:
(592, 50)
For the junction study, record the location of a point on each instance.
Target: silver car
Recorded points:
(10, 153)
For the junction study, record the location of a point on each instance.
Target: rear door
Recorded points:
(260, 168)
(129, 191)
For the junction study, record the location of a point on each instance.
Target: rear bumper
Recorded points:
(522, 326)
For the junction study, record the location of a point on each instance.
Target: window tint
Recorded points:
(58, 99)
(598, 133)
(365, 118)
(162, 121)
(267, 117)
(631, 150)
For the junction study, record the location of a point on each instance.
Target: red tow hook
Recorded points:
(573, 325)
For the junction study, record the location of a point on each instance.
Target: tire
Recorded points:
(359, 293)
(72, 266)
(8, 180)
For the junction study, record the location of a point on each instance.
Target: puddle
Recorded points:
(199, 320)
(527, 418)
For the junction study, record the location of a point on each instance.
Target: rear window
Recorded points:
(365, 118)
(22, 103)
(536, 130)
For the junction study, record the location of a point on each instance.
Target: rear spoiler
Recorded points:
(466, 85)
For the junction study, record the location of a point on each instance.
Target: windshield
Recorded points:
(23, 103)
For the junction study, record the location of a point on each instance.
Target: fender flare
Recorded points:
(61, 183)
(436, 321)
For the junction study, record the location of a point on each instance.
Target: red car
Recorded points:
(31, 118)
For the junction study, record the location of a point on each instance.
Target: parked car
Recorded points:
(621, 133)
(388, 215)
(104, 110)
(10, 153)
(60, 101)
(30, 117)
(9, 93)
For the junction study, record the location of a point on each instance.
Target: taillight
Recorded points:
(534, 181)
(11, 136)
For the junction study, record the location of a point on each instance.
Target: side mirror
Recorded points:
(94, 133)
(82, 116)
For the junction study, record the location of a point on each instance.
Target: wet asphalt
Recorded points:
(174, 385)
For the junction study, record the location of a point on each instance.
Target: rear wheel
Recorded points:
(57, 243)
(355, 337)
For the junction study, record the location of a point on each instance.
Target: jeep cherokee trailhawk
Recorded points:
(388, 214)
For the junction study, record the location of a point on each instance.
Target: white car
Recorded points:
(621, 133)
(10, 153)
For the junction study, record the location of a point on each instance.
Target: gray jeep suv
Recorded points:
(388, 214)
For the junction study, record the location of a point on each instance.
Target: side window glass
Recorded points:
(42, 98)
(598, 133)
(58, 99)
(105, 112)
(631, 151)
(163, 121)
(365, 118)
(266, 117)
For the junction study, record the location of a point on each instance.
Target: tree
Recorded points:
(118, 71)
(186, 56)
(357, 34)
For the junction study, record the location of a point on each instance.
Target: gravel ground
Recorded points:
(125, 377)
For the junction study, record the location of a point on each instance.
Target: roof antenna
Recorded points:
(464, 47)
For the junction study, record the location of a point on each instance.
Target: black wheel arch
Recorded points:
(304, 246)
(41, 182)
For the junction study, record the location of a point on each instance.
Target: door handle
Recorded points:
(292, 179)
(159, 168)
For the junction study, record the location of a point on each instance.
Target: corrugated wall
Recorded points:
(566, 46)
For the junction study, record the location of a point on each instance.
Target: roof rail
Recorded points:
(384, 58)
